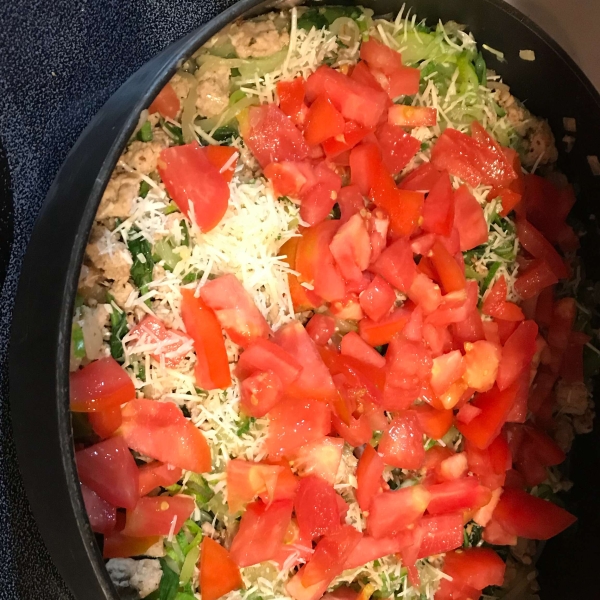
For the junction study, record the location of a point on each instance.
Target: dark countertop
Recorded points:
(46, 98)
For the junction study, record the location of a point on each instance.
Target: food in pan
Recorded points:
(331, 335)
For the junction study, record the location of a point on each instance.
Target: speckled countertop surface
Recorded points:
(59, 62)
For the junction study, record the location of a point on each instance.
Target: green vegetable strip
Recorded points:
(141, 270)
(187, 569)
(118, 330)
(77, 341)
(145, 132)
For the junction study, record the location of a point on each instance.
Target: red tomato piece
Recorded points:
(356, 432)
(350, 201)
(338, 148)
(524, 515)
(397, 147)
(470, 329)
(117, 545)
(455, 306)
(537, 276)
(517, 354)
(439, 533)
(376, 333)
(224, 158)
(323, 121)
(378, 299)
(438, 209)
(291, 99)
(261, 532)
(320, 328)
(158, 515)
(101, 385)
(563, 318)
(402, 444)
(469, 220)
(377, 225)
(539, 247)
(489, 465)
(412, 116)
(109, 470)
(544, 447)
(482, 359)
(451, 275)
(379, 56)
(425, 293)
(434, 423)
(330, 555)
(235, 309)
(289, 178)
(246, 480)
(456, 495)
(396, 265)
(297, 591)
(194, 183)
(321, 458)
(351, 248)
(402, 82)
(393, 511)
(476, 567)
(159, 430)
(347, 309)
(260, 393)
(365, 162)
(369, 548)
(157, 474)
(316, 264)
(496, 305)
(318, 200)
(316, 507)
(264, 355)
(446, 369)
(353, 345)
(422, 179)
(296, 422)
(105, 422)
(166, 103)
(271, 136)
(201, 324)
(102, 515)
(218, 572)
(571, 369)
(315, 380)
(362, 74)
(369, 477)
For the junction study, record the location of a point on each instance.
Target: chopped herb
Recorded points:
(425, 146)
(199, 488)
(472, 534)
(141, 373)
(185, 233)
(481, 68)
(118, 330)
(175, 132)
(244, 425)
(141, 271)
(77, 341)
(312, 18)
(192, 276)
(171, 208)
(225, 134)
(490, 276)
(144, 188)
(145, 132)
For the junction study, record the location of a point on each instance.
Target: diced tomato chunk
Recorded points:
(422, 179)
(496, 305)
(393, 511)
(376, 333)
(351, 248)
(446, 369)
(412, 116)
(475, 567)
(438, 209)
(106, 422)
(350, 201)
(102, 514)
(260, 393)
(353, 345)
(264, 355)
(378, 299)
(435, 423)
(318, 199)
(396, 265)
(439, 533)
(155, 474)
(379, 56)
(459, 494)
(425, 293)
(246, 480)
(537, 276)
(218, 572)
(365, 161)
(291, 99)
(517, 354)
(402, 444)
(321, 458)
(323, 121)
(538, 246)
(451, 275)
(166, 103)
(320, 328)
(397, 147)
(469, 220)
(316, 507)
(117, 545)
(369, 476)
(159, 515)
(482, 359)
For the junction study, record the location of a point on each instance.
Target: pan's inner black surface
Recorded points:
(551, 87)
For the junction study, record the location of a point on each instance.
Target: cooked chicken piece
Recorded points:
(118, 196)
(257, 38)
(108, 255)
(213, 91)
(572, 398)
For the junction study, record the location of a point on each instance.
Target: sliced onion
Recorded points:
(188, 112)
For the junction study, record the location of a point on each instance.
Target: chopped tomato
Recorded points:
(412, 116)
(246, 480)
(451, 275)
(524, 515)
(117, 545)
(193, 182)
(353, 345)
(218, 572)
(302, 298)
(157, 474)
(495, 406)
(369, 476)
(438, 209)
(222, 157)
(397, 147)
(378, 224)
(271, 136)
(101, 385)
(435, 423)
(470, 329)
(285, 486)
(495, 534)
(350, 201)
(235, 309)
(260, 392)
(105, 422)
(538, 246)
(452, 468)
(362, 74)
(264, 355)
(338, 148)
(496, 305)
(317, 201)
(422, 179)
(456, 495)
(330, 555)
(547, 451)
(482, 359)
(293, 545)
(316, 507)
(159, 515)
(289, 178)
(376, 333)
(396, 265)
(469, 220)
(151, 330)
(159, 430)
(347, 309)
(425, 293)
(166, 103)
(102, 514)
(378, 299)
(439, 533)
(379, 56)
(517, 354)
(321, 458)
(323, 121)
(320, 328)
(402, 444)
(315, 380)
(296, 422)
(571, 369)
(297, 591)
(291, 99)
(351, 248)
(393, 511)
(537, 276)
(455, 307)
(201, 324)
(316, 264)
(109, 470)
(401, 82)
(446, 369)
(261, 532)
(476, 567)
(365, 162)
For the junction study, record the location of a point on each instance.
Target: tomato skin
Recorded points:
(316, 507)
(166, 103)
(482, 359)
(376, 333)
(218, 573)
(365, 161)
(261, 532)
(296, 422)
(201, 324)
(438, 209)
(101, 385)
(154, 516)
(517, 354)
(378, 299)
(396, 265)
(425, 293)
(105, 422)
(369, 548)
(563, 317)
(320, 328)
(109, 470)
(117, 545)
(159, 430)
(391, 512)
(337, 149)
(537, 276)
(350, 201)
(422, 179)
(155, 474)
(439, 533)
(469, 220)
(524, 515)
(435, 423)
(353, 345)
(412, 116)
(369, 476)
(271, 136)
(260, 393)
(317, 201)
(323, 121)
(459, 494)
(476, 567)
(452, 276)
(235, 309)
(291, 99)
(102, 515)
(402, 444)
(397, 147)
(351, 248)
(221, 158)
(264, 355)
